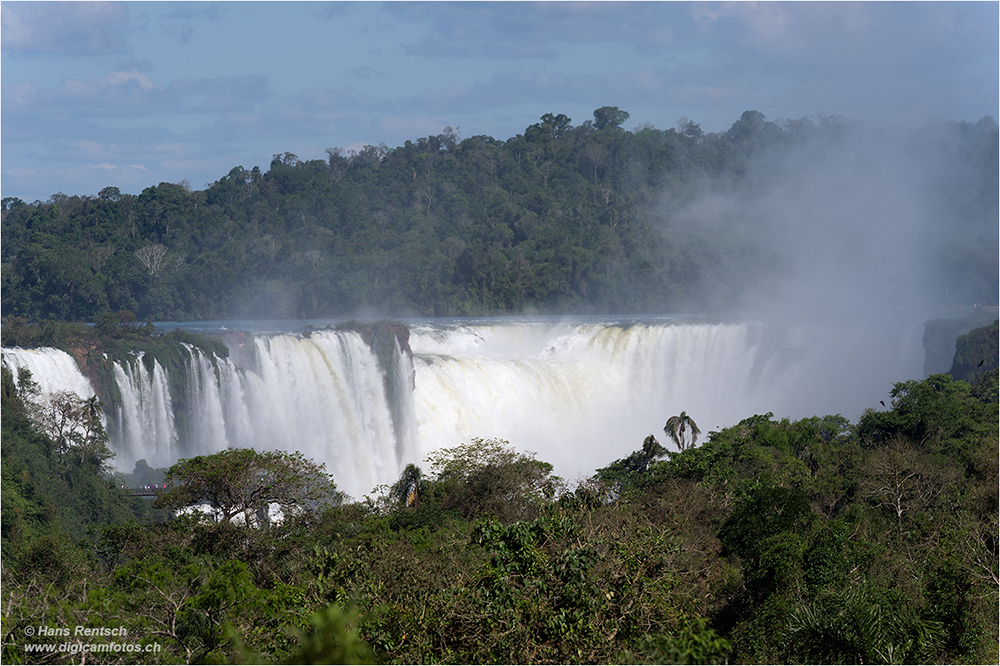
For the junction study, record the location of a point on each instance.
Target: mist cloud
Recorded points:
(848, 223)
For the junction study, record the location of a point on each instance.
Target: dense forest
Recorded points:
(772, 541)
(561, 218)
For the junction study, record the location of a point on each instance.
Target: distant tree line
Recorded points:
(560, 218)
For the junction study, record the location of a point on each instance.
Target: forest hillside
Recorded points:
(563, 218)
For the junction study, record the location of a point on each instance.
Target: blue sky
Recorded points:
(133, 94)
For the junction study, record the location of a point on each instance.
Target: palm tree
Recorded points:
(677, 426)
(862, 626)
(407, 490)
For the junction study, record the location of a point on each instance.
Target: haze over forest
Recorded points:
(819, 212)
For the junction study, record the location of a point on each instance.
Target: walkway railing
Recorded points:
(144, 492)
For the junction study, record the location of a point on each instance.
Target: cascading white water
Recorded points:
(52, 369)
(582, 396)
(578, 394)
(405, 417)
(322, 395)
(142, 425)
(214, 410)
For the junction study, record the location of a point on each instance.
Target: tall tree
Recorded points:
(246, 482)
(609, 117)
(491, 477)
(74, 426)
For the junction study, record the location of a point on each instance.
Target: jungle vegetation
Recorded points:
(773, 541)
(560, 219)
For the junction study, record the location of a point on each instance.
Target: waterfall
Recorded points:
(142, 424)
(579, 394)
(404, 417)
(52, 369)
(324, 395)
(584, 395)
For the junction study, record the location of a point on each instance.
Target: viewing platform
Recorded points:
(144, 492)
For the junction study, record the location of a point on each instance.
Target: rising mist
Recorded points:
(847, 220)
(846, 239)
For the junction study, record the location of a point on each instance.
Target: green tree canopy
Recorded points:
(622, 471)
(561, 218)
(609, 117)
(246, 482)
(490, 476)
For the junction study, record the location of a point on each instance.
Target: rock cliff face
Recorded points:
(975, 353)
(940, 336)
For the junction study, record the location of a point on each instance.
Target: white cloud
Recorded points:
(125, 78)
(133, 94)
(66, 28)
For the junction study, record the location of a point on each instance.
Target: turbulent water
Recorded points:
(53, 370)
(578, 393)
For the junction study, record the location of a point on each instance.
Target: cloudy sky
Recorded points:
(133, 94)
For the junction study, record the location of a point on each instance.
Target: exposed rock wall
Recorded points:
(975, 353)
(940, 336)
